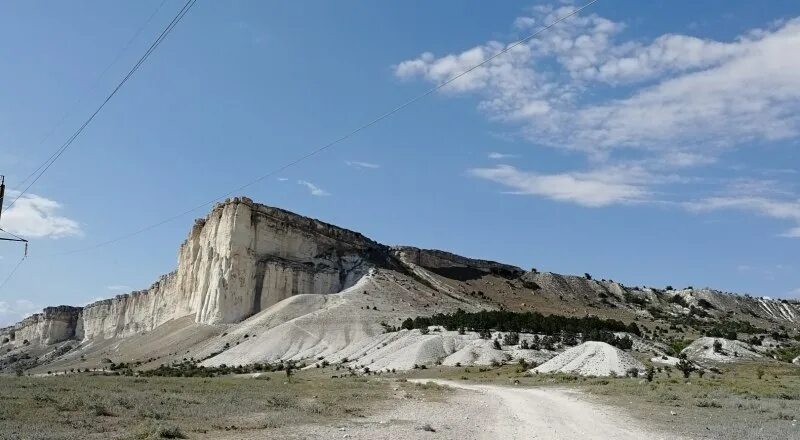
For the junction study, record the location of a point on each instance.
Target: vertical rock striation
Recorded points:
(242, 258)
(54, 324)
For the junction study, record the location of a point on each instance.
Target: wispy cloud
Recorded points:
(282, 179)
(769, 207)
(14, 311)
(361, 165)
(313, 189)
(686, 93)
(119, 287)
(33, 216)
(500, 156)
(674, 102)
(592, 189)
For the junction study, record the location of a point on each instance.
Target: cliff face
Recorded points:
(54, 324)
(247, 257)
(125, 315)
(242, 258)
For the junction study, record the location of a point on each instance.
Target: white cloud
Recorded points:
(694, 95)
(361, 165)
(313, 189)
(500, 156)
(119, 287)
(34, 216)
(282, 179)
(792, 233)
(14, 311)
(673, 102)
(774, 208)
(593, 189)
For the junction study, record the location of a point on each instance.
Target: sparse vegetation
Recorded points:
(526, 322)
(685, 366)
(98, 406)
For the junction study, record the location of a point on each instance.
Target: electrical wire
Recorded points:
(10, 274)
(183, 11)
(337, 140)
(89, 90)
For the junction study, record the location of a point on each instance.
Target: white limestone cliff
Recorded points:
(242, 258)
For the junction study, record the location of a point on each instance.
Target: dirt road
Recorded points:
(546, 413)
(478, 412)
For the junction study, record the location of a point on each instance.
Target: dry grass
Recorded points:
(99, 407)
(734, 405)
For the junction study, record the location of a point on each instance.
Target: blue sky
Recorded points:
(652, 143)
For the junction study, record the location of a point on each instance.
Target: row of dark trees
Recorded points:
(526, 322)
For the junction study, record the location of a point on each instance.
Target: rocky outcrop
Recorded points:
(137, 312)
(452, 265)
(54, 324)
(242, 258)
(246, 257)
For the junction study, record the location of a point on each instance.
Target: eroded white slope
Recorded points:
(591, 358)
(702, 350)
(332, 326)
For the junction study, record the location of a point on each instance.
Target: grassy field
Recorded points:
(92, 406)
(744, 401)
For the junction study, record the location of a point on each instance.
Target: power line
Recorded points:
(185, 9)
(340, 139)
(13, 235)
(90, 89)
(10, 274)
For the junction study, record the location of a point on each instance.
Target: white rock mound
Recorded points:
(702, 350)
(591, 359)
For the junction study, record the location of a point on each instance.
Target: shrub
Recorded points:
(708, 404)
(685, 366)
(677, 346)
(511, 338)
(170, 432)
(717, 346)
(704, 303)
(632, 372)
(650, 373)
(679, 300)
(100, 410)
(497, 345)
